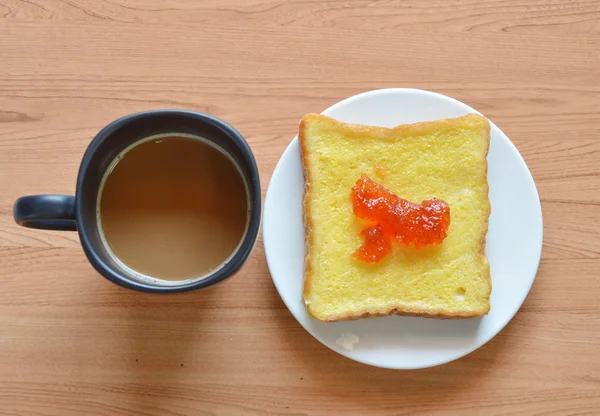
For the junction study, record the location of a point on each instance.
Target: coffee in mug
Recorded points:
(173, 207)
(166, 201)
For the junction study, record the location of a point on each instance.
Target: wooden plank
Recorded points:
(73, 343)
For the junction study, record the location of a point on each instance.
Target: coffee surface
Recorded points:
(173, 208)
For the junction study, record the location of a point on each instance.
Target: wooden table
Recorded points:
(73, 343)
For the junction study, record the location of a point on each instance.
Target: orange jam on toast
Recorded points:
(396, 219)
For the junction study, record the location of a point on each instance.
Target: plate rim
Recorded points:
(538, 253)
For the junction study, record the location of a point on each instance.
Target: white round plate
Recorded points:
(514, 243)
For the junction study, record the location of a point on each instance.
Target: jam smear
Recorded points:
(376, 246)
(396, 219)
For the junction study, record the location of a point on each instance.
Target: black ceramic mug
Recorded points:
(79, 212)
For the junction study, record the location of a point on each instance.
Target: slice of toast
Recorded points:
(444, 159)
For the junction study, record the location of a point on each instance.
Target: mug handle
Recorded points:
(46, 212)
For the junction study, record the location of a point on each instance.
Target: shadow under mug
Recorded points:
(79, 212)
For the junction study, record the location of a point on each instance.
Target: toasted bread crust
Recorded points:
(356, 130)
(308, 238)
(401, 311)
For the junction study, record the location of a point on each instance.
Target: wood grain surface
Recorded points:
(71, 343)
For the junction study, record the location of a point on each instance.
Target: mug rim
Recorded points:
(239, 257)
